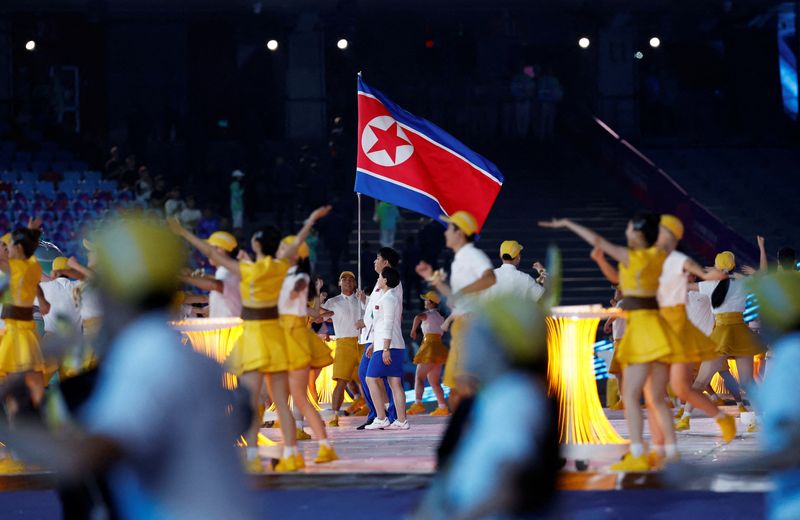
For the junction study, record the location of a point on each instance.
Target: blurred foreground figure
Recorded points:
(489, 470)
(779, 299)
(154, 426)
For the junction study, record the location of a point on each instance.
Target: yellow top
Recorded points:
(261, 282)
(25, 276)
(640, 277)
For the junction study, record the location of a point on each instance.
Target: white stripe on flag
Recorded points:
(406, 127)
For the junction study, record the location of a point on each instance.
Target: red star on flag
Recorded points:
(388, 140)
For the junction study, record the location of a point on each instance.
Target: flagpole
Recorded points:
(359, 239)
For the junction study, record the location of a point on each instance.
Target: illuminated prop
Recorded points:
(212, 337)
(325, 383)
(718, 384)
(584, 430)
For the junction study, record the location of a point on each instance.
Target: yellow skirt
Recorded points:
(303, 348)
(454, 368)
(346, 360)
(648, 338)
(614, 367)
(733, 337)
(694, 346)
(432, 350)
(19, 348)
(260, 348)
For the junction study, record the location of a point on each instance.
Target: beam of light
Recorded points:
(213, 337)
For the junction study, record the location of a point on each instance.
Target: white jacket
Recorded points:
(388, 314)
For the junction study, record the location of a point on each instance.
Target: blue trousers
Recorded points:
(391, 414)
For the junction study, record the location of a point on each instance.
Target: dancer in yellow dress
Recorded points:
(19, 349)
(431, 356)
(261, 349)
(649, 341)
(305, 350)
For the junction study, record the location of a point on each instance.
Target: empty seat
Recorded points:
(72, 176)
(78, 166)
(28, 177)
(93, 176)
(46, 188)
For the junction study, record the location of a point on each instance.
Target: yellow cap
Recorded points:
(137, 257)
(432, 296)
(778, 297)
(464, 221)
(725, 261)
(347, 274)
(6, 239)
(511, 248)
(60, 263)
(673, 225)
(88, 245)
(302, 251)
(223, 240)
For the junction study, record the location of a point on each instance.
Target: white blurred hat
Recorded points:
(237, 173)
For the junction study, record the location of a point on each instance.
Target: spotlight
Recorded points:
(342, 44)
(272, 45)
(30, 45)
(655, 42)
(584, 42)
(638, 55)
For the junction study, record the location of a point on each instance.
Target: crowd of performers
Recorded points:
(678, 316)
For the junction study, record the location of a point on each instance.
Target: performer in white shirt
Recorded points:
(386, 257)
(59, 292)
(512, 281)
(224, 298)
(431, 356)
(346, 311)
(389, 353)
(470, 274)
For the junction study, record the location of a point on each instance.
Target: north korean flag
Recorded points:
(412, 163)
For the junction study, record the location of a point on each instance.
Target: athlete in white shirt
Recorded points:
(224, 298)
(471, 273)
(388, 365)
(431, 356)
(346, 311)
(386, 257)
(510, 280)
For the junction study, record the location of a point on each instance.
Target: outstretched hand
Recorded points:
(425, 270)
(556, 223)
(319, 213)
(174, 225)
(748, 270)
(34, 223)
(760, 241)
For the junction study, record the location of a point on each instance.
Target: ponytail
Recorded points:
(720, 292)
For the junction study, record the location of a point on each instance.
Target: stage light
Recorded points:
(272, 45)
(342, 44)
(584, 42)
(638, 55)
(30, 45)
(655, 42)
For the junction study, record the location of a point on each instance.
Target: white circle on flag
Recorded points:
(385, 142)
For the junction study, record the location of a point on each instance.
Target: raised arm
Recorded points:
(763, 263)
(618, 253)
(312, 219)
(79, 268)
(204, 247)
(203, 283)
(690, 266)
(606, 268)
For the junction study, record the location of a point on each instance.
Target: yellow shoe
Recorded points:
(619, 405)
(302, 435)
(10, 466)
(742, 408)
(362, 412)
(299, 461)
(682, 425)
(286, 465)
(334, 422)
(727, 426)
(752, 428)
(632, 464)
(355, 406)
(679, 414)
(254, 466)
(440, 412)
(415, 408)
(326, 454)
(655, 460)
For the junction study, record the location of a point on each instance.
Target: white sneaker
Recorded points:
(397, 425)
(378, 424)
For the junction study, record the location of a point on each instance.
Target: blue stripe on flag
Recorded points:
(432, 132)
(398, 195)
